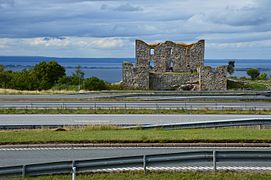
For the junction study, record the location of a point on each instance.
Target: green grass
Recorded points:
(107, 134)
(130, 111)
(256, 86)
(160, 176)
(36, 92)
(248, 84)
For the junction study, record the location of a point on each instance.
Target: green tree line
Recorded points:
(47, 75)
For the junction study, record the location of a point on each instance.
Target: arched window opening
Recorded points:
(152, 64)
(171, 66)
(152, 51)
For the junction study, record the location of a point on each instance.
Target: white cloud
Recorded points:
(123, 7)
(236, 37)
(47, 42)
(102, 43)
(112, 25)
(4, 42)
(251, 44)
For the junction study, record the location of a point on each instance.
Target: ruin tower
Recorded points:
(174, 65)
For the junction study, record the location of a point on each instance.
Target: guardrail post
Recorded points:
(23, 170)
(73, 170)
(214, 160)
(157, 106)
(145, 164)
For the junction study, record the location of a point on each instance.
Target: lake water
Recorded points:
(109, 69)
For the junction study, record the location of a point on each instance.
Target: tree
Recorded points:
(24, 80)
(4, 76)
(47, 73)
(230, 67)
(78, 75)
(4, 79)
(2, 68)
(262, 76)
(94, 83)
(253, 73)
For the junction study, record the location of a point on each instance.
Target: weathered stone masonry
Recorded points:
(176, 65)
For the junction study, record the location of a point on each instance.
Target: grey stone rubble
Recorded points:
(169, 66)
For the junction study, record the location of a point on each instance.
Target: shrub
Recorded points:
(243, 78)
(262, 76)
(94, 83)
(253, 73)
(234, 84)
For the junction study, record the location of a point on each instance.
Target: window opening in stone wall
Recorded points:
(151, 60)
(171, 61)
(171, 66)
(151, 63)
(152, 51)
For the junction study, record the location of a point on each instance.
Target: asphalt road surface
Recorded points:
(116, 119)
(21, 156)
(139, 105)
(161, 96)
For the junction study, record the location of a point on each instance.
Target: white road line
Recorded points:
(91, 121)
(186, 168)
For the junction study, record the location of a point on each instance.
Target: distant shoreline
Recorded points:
(110, 69)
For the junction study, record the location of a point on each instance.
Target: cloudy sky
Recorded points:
(108, 28)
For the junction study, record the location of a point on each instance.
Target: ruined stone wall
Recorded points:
(213, 78)
(161, 57)
(127, 73)
(138, 76)
(173, 64)
(135, 77)
(170, 56)
(170, 81)
(143, 53)
(179, 59)
(196, 55)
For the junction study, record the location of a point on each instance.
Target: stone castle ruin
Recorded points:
(172, 66)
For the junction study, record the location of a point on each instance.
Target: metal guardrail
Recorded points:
(210, 124)
(138, 105)
(143, 162)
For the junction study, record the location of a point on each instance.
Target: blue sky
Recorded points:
(107, 28)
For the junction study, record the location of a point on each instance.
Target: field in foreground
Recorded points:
(161, 176)
(108, 134)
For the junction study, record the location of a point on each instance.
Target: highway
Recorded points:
(20, 156)
(138, 105)
(115, 119)
(136, 96)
